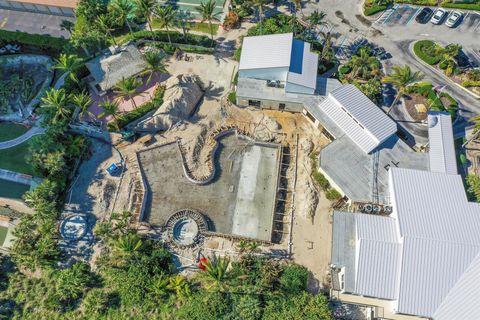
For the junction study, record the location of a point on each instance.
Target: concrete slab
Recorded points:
(240, 199)
(35, 23)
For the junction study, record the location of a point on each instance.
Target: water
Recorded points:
(12, 190)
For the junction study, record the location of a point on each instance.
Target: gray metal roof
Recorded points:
(352, 169)
(303, 65)
(442, 148)
(109, 69)
(268, 51)
(359, 118)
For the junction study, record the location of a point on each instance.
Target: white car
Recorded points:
(455, 17)
(438, 16)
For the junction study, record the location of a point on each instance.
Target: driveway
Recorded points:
(35, 23)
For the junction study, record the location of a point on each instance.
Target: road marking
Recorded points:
(478, 24)
(413, 16)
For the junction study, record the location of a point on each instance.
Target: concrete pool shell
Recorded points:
(240, 200)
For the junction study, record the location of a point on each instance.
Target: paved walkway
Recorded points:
(24, 137)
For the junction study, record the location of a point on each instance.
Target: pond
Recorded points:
(12, 190)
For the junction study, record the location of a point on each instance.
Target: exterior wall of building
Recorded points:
(37, 8)
(383, 308)
(271, 104)
(265, 74)
(291, 87)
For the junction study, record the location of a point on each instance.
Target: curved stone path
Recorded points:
(21, 139)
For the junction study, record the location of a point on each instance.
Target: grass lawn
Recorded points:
(191, 26)
(9, 131)
(14, 159)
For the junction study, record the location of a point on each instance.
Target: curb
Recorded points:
(441, 74)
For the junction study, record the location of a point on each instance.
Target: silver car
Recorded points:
(438, 16)
(455, 17)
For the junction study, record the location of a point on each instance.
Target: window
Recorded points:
(254, 103)
(342, 281)
(309, 116)
(281, 106)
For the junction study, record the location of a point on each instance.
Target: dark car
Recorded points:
(424, 15)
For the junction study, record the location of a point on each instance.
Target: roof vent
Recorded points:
(432, 121)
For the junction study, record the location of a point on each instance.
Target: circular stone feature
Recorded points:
(185, 231)
(73, 228)
(185, 227)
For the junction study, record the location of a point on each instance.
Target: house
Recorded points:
(51, 7)
(112, 66)
(421, 261)
(279, 72)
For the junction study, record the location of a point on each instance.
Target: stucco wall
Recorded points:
(265, 74)
(271, 104)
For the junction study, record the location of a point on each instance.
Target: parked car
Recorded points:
(454, 18)
(424, 15)
(438, 16)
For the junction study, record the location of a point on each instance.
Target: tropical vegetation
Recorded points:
(135, 278)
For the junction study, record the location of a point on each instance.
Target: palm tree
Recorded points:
(362, 63)
(402, 78)
(216, 273)
(110, 108)
(259, 4)
(104, 25)
(57, 104)
(182, 18)
(127, 245)
(207, 11)
(153, 63)
(69, 64)
(127, 89)
(166, 18)
(82, 101)
(316, 19)
(146, 9)
(124, 10)
(450, 52)
(67, 25)
(298, 4)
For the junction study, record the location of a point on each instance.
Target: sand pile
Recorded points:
(182, 93)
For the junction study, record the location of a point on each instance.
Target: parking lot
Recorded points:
(404, 15)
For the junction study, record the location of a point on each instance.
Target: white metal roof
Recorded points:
(377, 268)
(462, 300)
(436, 270)
(269, 51)
(442, 148)
(303, 71)
(360, 119)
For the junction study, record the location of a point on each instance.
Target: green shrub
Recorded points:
(232, 97)
(420, 48)
(474, 5)
(320, 180)
(344, 69)
(294, 279)
(470, 83)
(42, 42)
(126, 118)
(175, 37)
(443, 65)
(473, 187)
(371, 10)
(238, 53)
(333, 194)
(419, 2)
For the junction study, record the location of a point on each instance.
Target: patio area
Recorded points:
(145, 94)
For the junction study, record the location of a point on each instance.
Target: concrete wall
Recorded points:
(271, 104)
(265, 74)
(37, 8)
(291, 87)
(383, 308)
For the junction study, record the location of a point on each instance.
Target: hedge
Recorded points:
(43, 42)
(419, 2)
(418, 50)
(470, 83)
(466, 6)
(126, 118)
(371, 10)
(175, 37)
